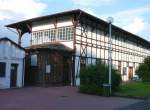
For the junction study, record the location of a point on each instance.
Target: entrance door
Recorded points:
(66, 71)
(130, 76)
(13, 81)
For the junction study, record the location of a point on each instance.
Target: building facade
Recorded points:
(11, 64)
(82, 38)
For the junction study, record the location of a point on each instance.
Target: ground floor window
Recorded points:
(119, 66)
(82, 62)
(2, 69)
(33, 60)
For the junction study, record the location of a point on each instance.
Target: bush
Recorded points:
(144, 70)
(93, 77)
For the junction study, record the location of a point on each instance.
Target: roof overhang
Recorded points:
(25, 26)
(50, 46)
(14, 43)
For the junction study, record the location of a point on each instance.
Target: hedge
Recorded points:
(93, 77)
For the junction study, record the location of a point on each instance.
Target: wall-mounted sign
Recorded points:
(48, 69)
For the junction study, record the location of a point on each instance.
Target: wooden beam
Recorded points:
(29, 28)
(55, 23)
(19, 36)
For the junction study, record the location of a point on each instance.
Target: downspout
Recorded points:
(23, 72)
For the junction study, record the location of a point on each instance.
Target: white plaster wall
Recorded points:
(67, 21)
(68, 44)
(48, 24)
(123, 57)
(9, 51)
(5, 81)
(10, 54)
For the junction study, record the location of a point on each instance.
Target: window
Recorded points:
(65, 33)
(61, 34)
(49, 35)
(34, 39)
(69, 32)
(2, 69)
(33, 60)
(46, 36)
(127, 64)
(124, 70)
(52, 35)
(40, 37)
(82, 62)
(119, 66)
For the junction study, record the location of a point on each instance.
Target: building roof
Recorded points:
(7, 39)
(50, 46)
(23, 24)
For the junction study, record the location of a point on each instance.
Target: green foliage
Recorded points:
(91, 89)
(139, 90)
(144, 70)
(93, 77)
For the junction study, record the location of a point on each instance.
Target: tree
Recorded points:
(143, 70)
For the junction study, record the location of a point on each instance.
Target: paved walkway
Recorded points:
(57, 98)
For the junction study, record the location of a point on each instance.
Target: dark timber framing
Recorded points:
(86, 23)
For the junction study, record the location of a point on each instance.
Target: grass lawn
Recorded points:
(134, 90)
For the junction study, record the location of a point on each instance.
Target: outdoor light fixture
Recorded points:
(110, 21)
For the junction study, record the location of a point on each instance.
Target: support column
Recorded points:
(75, 22)
(19, 36)
(30, 31)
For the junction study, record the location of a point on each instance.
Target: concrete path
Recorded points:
(58, 98)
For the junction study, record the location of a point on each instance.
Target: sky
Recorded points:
(131, 15)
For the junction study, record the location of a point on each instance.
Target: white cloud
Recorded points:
(91, 2)
(133, 20)
(137, 26)
(22, 8)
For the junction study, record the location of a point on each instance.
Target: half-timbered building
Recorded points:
(62, 43)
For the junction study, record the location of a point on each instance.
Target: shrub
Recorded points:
(93, 77)
(143, 70)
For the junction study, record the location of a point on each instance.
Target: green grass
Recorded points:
(134, 90)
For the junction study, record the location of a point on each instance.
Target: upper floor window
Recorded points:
(50, 35)
(70, 33)
(65, 33)
(37, 37)
(62, 34)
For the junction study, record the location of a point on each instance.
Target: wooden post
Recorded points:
(19, 36)
(30, 31)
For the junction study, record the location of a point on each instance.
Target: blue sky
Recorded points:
(131, 15)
